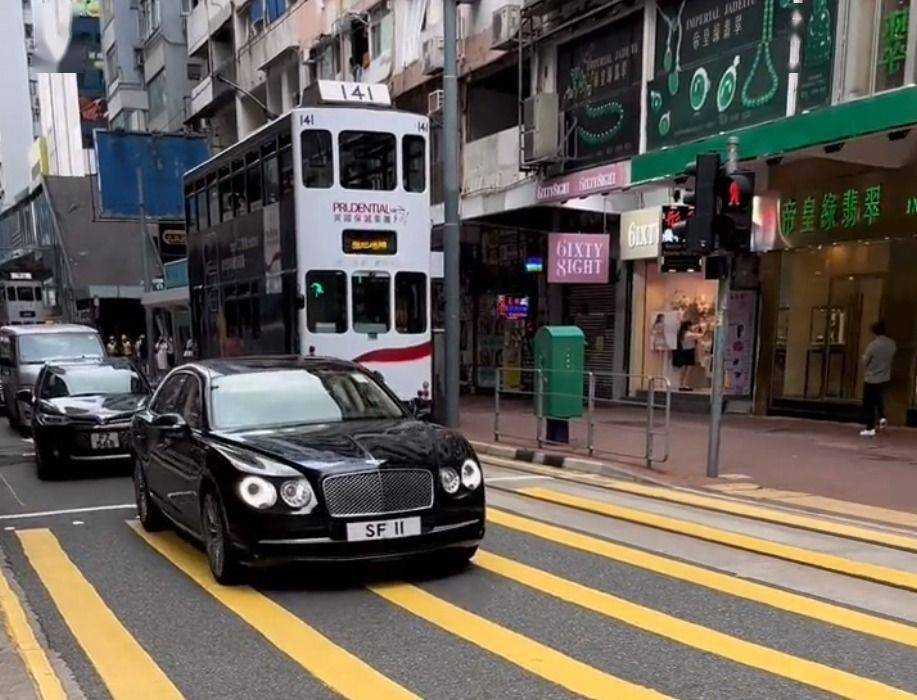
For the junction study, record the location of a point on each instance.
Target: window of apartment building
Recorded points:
(150, 17)
(327, 61)
(157, 94)
(111, 65)
(381, 31)
(195, 72)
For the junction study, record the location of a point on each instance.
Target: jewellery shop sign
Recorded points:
(855, 207)
(599, 78)
(723, 64)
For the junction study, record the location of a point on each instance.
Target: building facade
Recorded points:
(148, 72)
(579, 118)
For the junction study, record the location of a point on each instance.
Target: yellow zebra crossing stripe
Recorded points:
(800, 670)
(33, 656)
(779, 517)
(723, 583)
(829, 562)
(334, 666)
(522, 651)
(125, 667)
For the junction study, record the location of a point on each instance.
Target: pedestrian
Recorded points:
(684, 357)
(877, 374)
(140, 349)
(127, 347)
(112, 346)
(170, 351)
(188, 354)
(162, 357)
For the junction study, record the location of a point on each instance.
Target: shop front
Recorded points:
(849, 237)
(673, 311)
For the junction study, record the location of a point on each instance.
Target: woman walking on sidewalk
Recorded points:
(877, 365)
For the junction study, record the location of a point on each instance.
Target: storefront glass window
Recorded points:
(676, 328)
(829, 298)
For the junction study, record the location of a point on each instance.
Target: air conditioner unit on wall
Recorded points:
(541, 128)
(505, 27)
(432, 55)
(435, 103)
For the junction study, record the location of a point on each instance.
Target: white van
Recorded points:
(24, 350)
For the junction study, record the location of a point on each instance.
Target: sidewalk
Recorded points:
(814, 457)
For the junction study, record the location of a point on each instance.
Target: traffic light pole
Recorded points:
(451, 226)
(719, 340)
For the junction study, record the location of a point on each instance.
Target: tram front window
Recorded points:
(371, 302)
(368, 160)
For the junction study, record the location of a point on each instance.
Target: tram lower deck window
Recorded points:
(411, 302)
(368, 160)
(372, 311)
(326, 305)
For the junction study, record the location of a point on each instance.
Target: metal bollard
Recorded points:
(650, 427)
(497, 405)
(590, 415)
(539, 411)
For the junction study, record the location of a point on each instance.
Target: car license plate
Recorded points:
(104, 441)
(383, 529)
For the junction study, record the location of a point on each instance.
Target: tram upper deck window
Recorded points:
(368, 160)
(414, 157)
(317, 159)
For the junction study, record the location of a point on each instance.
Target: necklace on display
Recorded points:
(598, 138)
(764, 52)
(671, 62)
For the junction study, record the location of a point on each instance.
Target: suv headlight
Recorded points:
(258, 493)
(471, 474)
(298, 494)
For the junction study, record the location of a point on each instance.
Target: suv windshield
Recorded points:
(106, 381)
(298, 396)
(41, 347)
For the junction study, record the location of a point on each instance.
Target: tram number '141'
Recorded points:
(337, 91)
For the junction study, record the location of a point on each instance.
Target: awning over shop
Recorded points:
(167, 298)
(886, 112)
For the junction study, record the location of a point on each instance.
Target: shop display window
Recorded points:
(829, 298)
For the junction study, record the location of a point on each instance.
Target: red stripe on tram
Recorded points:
(417, 352)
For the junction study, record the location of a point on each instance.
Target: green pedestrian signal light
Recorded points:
(317, 289)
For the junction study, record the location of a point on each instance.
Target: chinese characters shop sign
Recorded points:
(876, 205)
(892, 52)
(723, 64)
(599, 78)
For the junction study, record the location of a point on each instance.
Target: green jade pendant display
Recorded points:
(763, 54)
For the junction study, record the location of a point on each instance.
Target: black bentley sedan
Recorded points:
(81, 413)
(272, 460)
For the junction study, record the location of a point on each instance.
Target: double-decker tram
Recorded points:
(312, 235)
(21, 300)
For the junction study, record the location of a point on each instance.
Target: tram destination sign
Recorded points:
(335, 91)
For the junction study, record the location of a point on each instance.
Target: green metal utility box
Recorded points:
(560, 355)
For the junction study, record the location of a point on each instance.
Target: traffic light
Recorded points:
(735, 195)
(699, 228)
(722, 202)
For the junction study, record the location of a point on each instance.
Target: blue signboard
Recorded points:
(162, 159)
